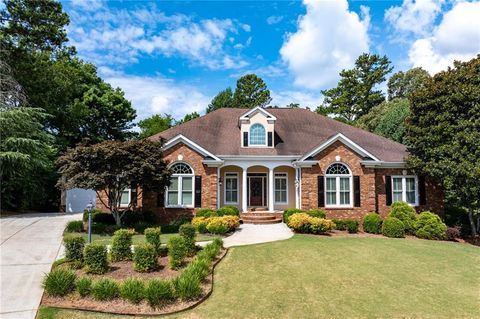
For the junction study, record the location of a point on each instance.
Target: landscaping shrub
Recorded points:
(232, 222)
(406, 214)
(59, 282)
(458, 216)
(84, 286)
(205, 212)
(177, 251)
(317, 213)
(299, 222)
(145, 258)
(453, 233)
(216, 226)
(130, 218)
(132, 290)
(74, 246)
(74, 226)
(141, 226)
(372, 223)
(200, 224)
(187, 231)
(158, 292)
(95, 211)
(320, 225)
(228, 211)
(152, 236)
(352, 226)
(187, 286)
(149, 217)
(393, 227)
(105, 289)
(199, 267)
(95, 259)
(121, 243)
(429, 226)
(217, 242)
(209, 252)
(99, 228)
(289, 212)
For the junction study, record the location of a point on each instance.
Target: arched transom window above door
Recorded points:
(338, 182)
(180, 192)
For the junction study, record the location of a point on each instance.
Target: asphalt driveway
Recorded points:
(29, 245)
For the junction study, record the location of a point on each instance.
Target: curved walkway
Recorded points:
(249, 234)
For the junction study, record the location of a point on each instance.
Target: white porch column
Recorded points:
(244, 190)
(270, 190)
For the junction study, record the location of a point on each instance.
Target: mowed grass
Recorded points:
(136, 239)
(342, 277)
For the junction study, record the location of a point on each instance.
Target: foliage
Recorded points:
(84, 286)
(132, 290)
(299, 222)
(187, 286)
(403, 84)
(429, 226)
(393, 227)
(59, 282)
(228, 211)
(158, 292)
(288, 212)
(205, 212)
(199, 268)
(121, 245)
(251, 91)
(177, 251)
(188, 117)
(350, 225)
(95, 259)
(458, 216)
(217, 226)
(155, 124)
(145, 258)
(406, 214)
(356, 93)
(99, 216)
(114, 166)
(152, 236)
(105, 289)
(372, 223)
(222, 99)
(317, 213)
(320, 225)
(453, 233)
(74, 226)
(74, 246)
(187, 231)
(443, 132)
(200, 224)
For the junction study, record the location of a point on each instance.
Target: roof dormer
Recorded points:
(257, 128)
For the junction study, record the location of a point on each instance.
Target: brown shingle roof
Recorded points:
(299, 131)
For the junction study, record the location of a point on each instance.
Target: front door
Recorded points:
(256, 191)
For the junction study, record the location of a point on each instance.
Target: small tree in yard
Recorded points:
(112, 167)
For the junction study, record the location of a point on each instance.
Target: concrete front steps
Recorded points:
(261, 218)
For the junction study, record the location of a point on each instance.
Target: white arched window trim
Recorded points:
(255, 137)
(338, 187)
(181, 192)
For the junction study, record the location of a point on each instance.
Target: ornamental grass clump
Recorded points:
(406, 214)
(105, 289)
(177, 251)
(159, 292)
(84, 286)
(74, 246)
(152, 236)
(393, 227)
(145, 258)
(59, 282)
(372, 223)
(95, 259)
(187, 286)
(121, 245)
(187, 231)
(132, 290)
(429, 226)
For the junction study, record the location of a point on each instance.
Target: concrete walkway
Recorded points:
(29, 245)
(249, 234)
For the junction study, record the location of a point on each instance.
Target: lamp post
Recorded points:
(89, 208)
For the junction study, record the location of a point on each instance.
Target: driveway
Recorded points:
(29, 245)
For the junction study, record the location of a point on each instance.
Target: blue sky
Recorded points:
(173, 57)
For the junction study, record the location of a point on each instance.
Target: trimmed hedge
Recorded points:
(152, 236)
(74, 246)
(216, 225)
(145, 258)
(95, 259)
(350, 225)
(121, 245)
(429, 226)
(187, 231)
(205, 212)
(289, 212)
(317, 213)
(59, 282)
(304, 223)
(228, 211)
(393, 227)
(406, 214)
(372, 223)
(177, 251)
(74, 226)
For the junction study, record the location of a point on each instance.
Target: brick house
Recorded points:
(277, 158)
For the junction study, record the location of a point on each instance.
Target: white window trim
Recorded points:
(225, 187)
(280, 176)
(179, 190)
(129, 197)
(404, 189)
(250, 136)
(337, 187)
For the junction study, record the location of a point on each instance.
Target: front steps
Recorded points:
(261, 218)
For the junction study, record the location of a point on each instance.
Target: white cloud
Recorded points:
(304, 98)
(415, 16)
(329, 38)
(457, 37)
(158, 95)
(274, 19)
(88, 5)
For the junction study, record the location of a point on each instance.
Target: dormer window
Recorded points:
(257, 135)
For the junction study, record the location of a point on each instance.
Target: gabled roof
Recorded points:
(256, 110)
(298, 132)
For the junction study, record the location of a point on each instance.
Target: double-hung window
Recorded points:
(405, 188)
(180, 191)
(126, 197)
(338, 181)
(231, 188)
(281, 190)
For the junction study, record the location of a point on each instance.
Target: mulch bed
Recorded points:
(119, 306)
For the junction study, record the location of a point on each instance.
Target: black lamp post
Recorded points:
(89, 208)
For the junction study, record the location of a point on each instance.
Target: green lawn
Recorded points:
(341, 277)
(137, 239)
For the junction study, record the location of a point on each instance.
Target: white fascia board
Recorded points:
(382, 164)
(212, 163)
(345, 140)
(305, 163)
(180, 138)
(260, 157)
(255, 110)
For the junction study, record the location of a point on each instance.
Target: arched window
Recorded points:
(338, 182)
(180, 191)
(257, 135)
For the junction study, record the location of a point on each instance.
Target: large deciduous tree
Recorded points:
(357, 93)
(112, 167)
(444, 134)
(403, 84)
(155, 124)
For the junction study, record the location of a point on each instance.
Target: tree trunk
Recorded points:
(472, 223)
